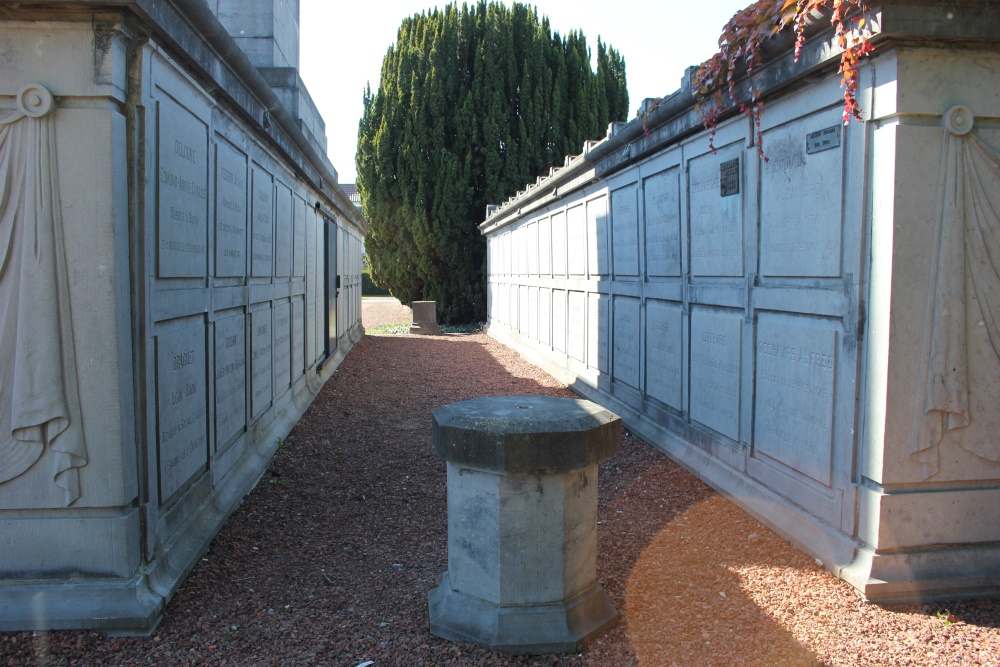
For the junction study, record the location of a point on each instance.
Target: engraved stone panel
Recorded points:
(230, 211)
(545, 247)
(793, 414)
(800, 203)
(260, 364)
(182, 407)
(559, 319)
(312, 287)
(576, 240)
(577, 326)
(544, 315)
(559, 243)
(664, 359)
(598, 343)
(522, 317)
(715, 370)
(625, 231)
(182, 188)
(298, 338)
(533, 312)
(283, 230)
(716, 221)
(230, 378)
(282, 347)
(262, 244)
(508, 253)
(299, 247)
(626, 342)
(597, 237)
(531, 248)
(663, 223)
(521, 236)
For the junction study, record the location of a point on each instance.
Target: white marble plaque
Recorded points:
(598, 343)
(182, 186)
(523, 319)
(299, 249)
(800, 203)
(531, 248)
(298, 338)
(715, 370)
(664, 360)
(793, 414)
(230, 211)
(577, 326)
(626, 342)
(508, 254)
(716, 221)
(230, 378)
(533, 312)
(283, 231)
(576, 240)
(182, 407)
(597, 237)
(262, 243)
(545, 247)
(559, 243)
(260, 364)
(625, 231)
(663, 223)
(282, 347)
(544, 315)
(559, 320)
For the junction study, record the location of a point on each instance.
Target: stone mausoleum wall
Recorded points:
(813, 334)
(180, 274)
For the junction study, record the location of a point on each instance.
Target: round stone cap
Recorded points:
(526, 433)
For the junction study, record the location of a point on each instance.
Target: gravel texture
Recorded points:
(329, 559)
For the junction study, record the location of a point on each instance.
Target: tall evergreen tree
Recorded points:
(473, 102)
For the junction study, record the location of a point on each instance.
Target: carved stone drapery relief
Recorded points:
(39, 395)
(961, 363)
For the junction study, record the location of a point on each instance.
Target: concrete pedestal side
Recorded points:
(522, 522)
(425, 318)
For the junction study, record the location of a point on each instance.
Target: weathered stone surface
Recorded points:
(425, 318)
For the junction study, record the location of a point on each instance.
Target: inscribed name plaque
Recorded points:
(182, 407)
(576, 325)
(715, 371)
(544, 315)
(625, 231)
(299, 234)
(576, 241)
(664, 360)
(716, 221)
(298, 338)
(533, 312)
(531, 247)
(522, 317)
(512, 291)
(559, 243)
(598, 341)
(626, 343)
(800, 203)
(230, 378)
(545, 247)
(260, 361)
(661, 199)
(182, 187)
(520, 236)
(559, 319)
(508, 254)
(230, 211)
(597, 236)
(262, 243)
(283, 230)
(793, 415)
(282, 347)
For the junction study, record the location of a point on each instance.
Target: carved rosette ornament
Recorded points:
(961, 362)
(39, 395)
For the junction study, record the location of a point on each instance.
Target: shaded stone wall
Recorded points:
(771, 324)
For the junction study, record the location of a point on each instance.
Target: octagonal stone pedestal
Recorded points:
(522, 522)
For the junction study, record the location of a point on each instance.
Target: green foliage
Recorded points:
(473, 103)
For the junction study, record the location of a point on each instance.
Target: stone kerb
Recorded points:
(522, 522)
(425, 318)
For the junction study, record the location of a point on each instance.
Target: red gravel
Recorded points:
(329, 560)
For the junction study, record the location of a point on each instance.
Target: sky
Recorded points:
(342, 45)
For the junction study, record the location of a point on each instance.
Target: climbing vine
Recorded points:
(741, 42)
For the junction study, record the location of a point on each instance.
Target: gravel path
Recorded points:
(381, 310)
(329, 559)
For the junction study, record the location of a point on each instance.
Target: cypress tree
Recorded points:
(473, 103)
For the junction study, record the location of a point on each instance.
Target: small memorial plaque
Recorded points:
(823, 140)
(260, 364)
(664, 358)
(625, 231)
(715, 370)
(182, 407)
(182, 180)
(230, 211)
(230, 378)
(729, 178)
(282, 347)
(626, 343)
(262, 244)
